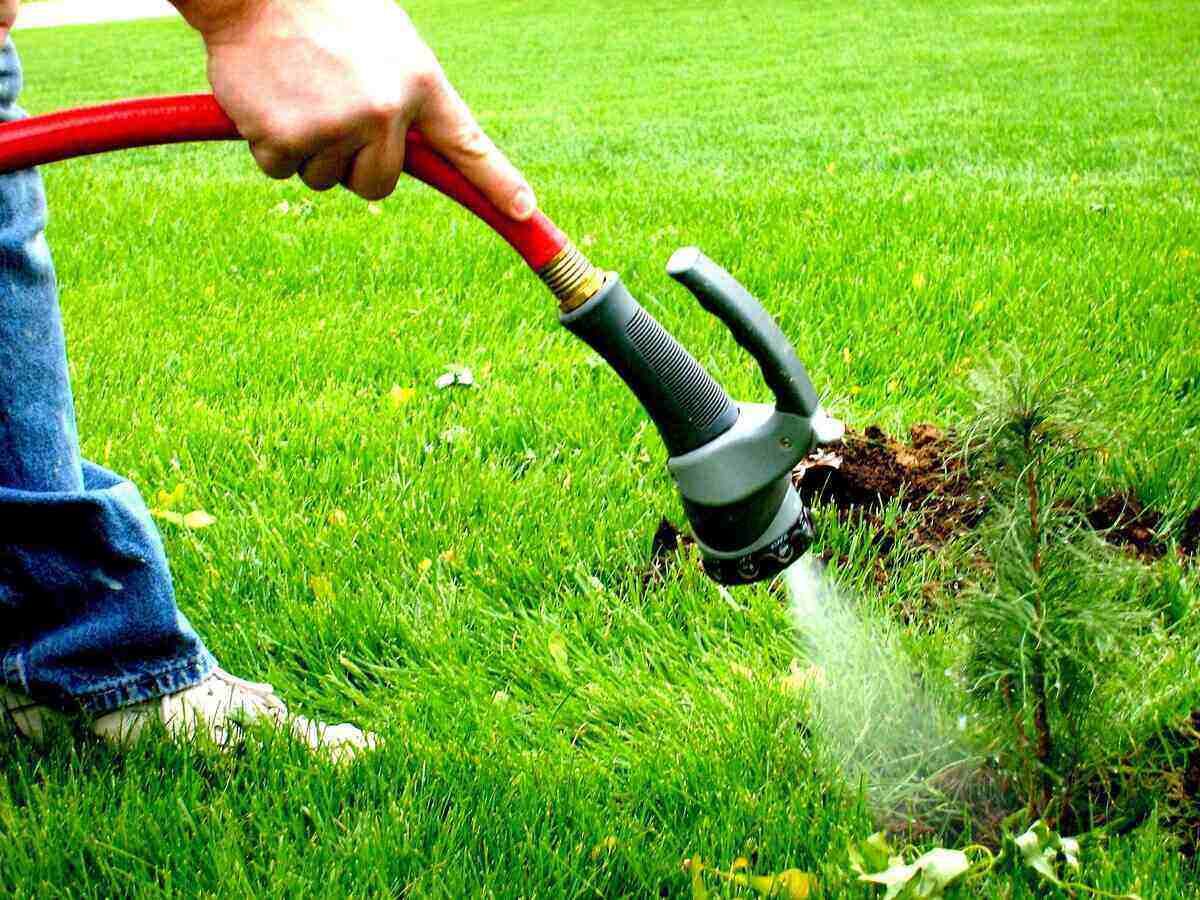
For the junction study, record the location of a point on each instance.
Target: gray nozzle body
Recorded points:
(732, 464)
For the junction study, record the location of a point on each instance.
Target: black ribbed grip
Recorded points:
(689, 408)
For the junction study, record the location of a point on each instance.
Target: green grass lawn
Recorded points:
(907, 185)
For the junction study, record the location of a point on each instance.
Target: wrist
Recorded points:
(212, 17)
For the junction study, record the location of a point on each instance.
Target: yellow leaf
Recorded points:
(322, 587)
(977, 307)
(831, 168)
(855, 390)
(500, 697)
(198, 518)
(399, 396)
(800, 677)
(338, 518)
(168, 501)
(607, 845)
(893, 386)
(791, 884)
(558, 651)
(448, 556)
(424, 565)
(795, 885)
(695, 867)
(167, 516)
(919, 281)
(740, 863)
(846, 355)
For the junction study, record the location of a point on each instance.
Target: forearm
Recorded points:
(8, 15)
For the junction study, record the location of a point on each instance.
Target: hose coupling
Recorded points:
(572, 278)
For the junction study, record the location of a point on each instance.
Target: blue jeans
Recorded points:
(87, 611)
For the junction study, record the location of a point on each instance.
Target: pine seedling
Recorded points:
(1052, 609)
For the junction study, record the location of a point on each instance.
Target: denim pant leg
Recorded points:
(87, 611)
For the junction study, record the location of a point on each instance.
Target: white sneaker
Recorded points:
(220, 707)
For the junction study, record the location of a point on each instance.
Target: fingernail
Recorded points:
(523, 204)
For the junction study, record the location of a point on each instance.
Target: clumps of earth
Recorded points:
(925, 476)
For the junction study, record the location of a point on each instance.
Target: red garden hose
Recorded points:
(732, 470)
(197, 117)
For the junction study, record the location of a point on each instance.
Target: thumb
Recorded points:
(448, 125)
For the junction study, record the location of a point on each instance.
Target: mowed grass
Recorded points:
(907, 186)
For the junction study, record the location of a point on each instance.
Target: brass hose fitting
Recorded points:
(572, 278)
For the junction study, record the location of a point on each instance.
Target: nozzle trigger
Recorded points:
(752, 327)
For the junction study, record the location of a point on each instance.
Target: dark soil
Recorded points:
(664, 549)
(869, 470)
(969, 800)
(1124, 522)
(1189, 541)
(939, 500)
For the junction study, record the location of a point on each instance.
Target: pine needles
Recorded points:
(1054, 607)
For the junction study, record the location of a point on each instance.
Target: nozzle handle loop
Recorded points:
(752, 327)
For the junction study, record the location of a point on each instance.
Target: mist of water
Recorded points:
(882, 727)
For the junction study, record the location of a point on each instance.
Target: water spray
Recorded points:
(883, 729)
(732, 462)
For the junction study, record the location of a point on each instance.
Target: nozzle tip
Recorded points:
(682, 260)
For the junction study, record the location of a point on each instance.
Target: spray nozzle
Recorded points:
(737, 489)
(732, 462)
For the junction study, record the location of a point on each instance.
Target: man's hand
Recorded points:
(329, 88)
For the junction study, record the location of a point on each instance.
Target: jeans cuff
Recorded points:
(139, 688)
(149, 685)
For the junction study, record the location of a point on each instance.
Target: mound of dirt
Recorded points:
(869, 470)
(928, 479)
(663, 550)
(1123, 521)
(1182, 784)
(1187, 824)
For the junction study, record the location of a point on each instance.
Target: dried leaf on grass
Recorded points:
(198, 518)
(400, 396)
(790, 884)
(322, 587)
(165, 510)
(557, 646)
